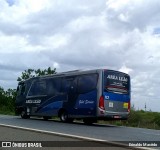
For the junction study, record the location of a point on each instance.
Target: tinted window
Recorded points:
(87, 83)
(69, 84)
(53, 86)
(116, 82)
(38, 88)
(21, 89)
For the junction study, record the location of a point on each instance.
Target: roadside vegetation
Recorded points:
(7, 101)
(140, 118)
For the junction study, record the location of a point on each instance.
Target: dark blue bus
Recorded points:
(89, 95)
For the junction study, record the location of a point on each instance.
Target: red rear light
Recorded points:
(101, 103)
(129, 106)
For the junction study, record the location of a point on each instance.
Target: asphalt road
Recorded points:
(47, 141)
(101, 132)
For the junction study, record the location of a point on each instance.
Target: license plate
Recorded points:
(111, 104)
(116, 117)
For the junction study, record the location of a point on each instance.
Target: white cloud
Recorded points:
(56, 65)
(56, 41)
(117, 4)
(125, 69)
(115, 34)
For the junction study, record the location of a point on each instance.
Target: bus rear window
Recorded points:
(116, 82)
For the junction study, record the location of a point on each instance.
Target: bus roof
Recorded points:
(68, 73)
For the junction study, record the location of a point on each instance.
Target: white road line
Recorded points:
(73, 136)
(151, 133)
(56, 133)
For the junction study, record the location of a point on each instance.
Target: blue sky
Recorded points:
(157, 31)
(84, 34)
(10, 2)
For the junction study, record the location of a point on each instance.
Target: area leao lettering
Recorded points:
(114, 77)
(33, 101)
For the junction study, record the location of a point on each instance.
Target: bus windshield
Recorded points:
(116, 82)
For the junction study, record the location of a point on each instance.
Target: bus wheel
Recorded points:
(23, 115)
(64, 116)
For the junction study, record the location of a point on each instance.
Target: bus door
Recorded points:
(69, 88)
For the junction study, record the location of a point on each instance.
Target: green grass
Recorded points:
(140, 119)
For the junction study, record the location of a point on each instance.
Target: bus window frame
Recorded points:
(97, 76)
(33, 82)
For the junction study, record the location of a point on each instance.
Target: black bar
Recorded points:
(79, 144)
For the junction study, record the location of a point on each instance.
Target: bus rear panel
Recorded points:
(114, 103)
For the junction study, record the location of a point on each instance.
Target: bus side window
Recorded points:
(54, 86)
(69, 85)
(66, 84)
(23, 89)
(87, 83)
(38, 88)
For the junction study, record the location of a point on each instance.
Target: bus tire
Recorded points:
(24, 115)
(64, 117)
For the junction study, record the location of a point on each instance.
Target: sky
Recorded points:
(122, 35)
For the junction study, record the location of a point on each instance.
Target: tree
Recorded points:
(34, 73)
(2, 96)
(10, 93)
(2, 91)
(48, 71)
(26, 74)
(7, 99)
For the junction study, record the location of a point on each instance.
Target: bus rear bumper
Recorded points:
(114, 116)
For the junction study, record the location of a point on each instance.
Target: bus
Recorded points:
(90, 95)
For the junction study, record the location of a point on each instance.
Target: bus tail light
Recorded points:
(129, 106)
(101, 103)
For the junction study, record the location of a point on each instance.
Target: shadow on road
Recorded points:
(76, 122)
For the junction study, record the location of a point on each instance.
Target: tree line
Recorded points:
(7, 100)
(7, 97)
